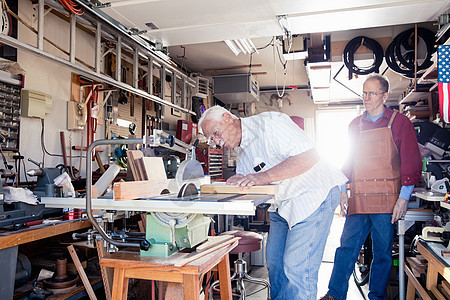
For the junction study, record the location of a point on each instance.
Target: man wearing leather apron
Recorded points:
(383, 169)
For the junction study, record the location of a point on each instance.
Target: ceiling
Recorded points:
(195, 30)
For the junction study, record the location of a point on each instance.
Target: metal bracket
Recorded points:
(403, 226)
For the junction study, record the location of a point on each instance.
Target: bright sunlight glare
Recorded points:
(332, 134)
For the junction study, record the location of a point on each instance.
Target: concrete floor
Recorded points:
(324, 271)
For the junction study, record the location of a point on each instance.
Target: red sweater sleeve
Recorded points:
(411, 161)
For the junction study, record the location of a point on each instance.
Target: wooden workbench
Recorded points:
(436, 265)
(10, 241)
(14, 238)
(171, 269)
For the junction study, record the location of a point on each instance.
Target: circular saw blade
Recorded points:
(188, 189)
(189, 169)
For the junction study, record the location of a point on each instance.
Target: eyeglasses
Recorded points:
(216, 134)
(371, 95)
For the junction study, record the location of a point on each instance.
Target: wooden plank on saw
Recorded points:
(213, 241)
(269, 189)
(154, 168)
(133, 156)
(129, 190)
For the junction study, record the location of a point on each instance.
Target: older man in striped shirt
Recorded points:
(272, 148)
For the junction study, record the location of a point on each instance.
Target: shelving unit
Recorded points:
(431, 73)
(414, 97)
(429, 77)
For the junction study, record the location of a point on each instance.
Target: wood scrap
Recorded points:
(207, 251)
(99, 163)
(446, 288)
(417, 267)
(80, 270)
(445, 253)
(437, 293)
(141, 168)
(133, 163)
(63, 147)
(154, 168)
(94, 192)
(416, 262)
(213, 241)
(422, 259)
(269, 189)
(141, 223)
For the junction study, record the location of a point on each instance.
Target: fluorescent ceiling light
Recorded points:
(245, 46)
(319, 75)
(320, 95)
(240, 46)
(232, 47)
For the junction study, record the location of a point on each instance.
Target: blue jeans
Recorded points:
(356, 229)
(294, 255)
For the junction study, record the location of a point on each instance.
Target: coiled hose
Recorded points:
(400, 54)
(349, 56)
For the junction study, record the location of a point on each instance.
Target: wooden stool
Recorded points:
(185, 268)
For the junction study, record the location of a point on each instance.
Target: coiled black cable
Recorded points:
(400, 54)
(349, 56)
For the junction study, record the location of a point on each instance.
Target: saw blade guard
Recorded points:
(189, 169)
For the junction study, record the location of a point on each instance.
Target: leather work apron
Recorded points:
(375, 185)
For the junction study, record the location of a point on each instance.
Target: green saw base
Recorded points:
(160, 235)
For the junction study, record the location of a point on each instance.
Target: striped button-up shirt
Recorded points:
(271, 138)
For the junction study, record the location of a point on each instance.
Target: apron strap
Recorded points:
(360, 122)
(392, 119)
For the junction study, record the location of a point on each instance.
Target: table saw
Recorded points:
(175, 220)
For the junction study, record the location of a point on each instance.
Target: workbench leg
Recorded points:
(411, 291)
(224, 278)
(191, 287)
(432, 276)
(120, 285)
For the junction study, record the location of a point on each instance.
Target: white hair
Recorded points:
(214, 113)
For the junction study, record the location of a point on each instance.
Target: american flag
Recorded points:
(444, 81)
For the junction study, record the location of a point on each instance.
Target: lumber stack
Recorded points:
(145, 168)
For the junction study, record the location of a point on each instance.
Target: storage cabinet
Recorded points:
(212, 161)
(10, 89)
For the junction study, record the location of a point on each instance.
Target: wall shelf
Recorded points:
(414, 97)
